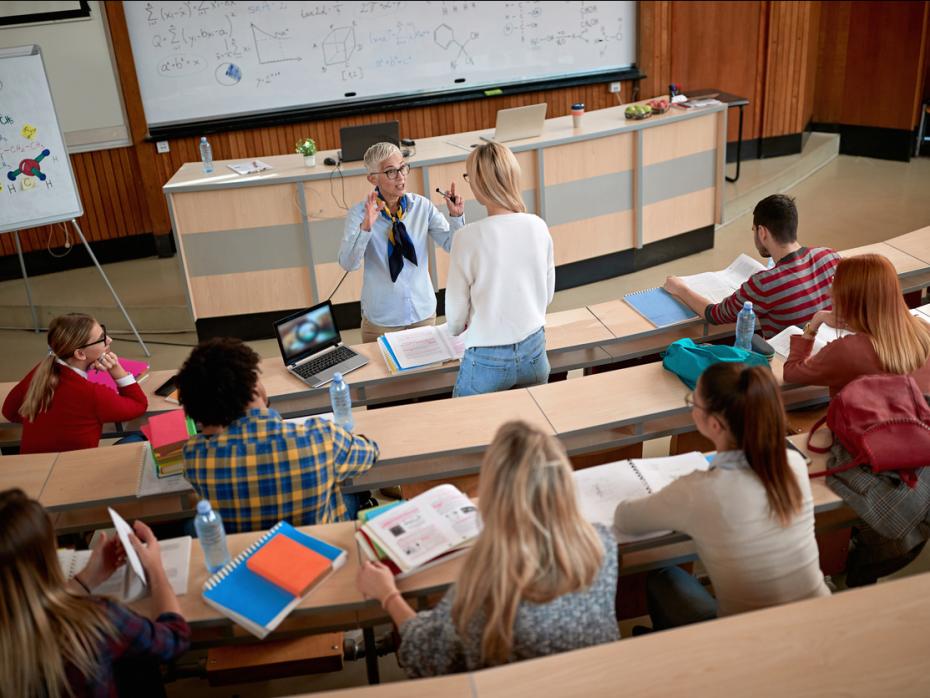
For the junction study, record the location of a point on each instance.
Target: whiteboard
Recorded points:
(204, 60)
(35, 170)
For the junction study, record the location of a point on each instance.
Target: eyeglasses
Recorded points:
(689, 401)
(96, 341)
(393, 172)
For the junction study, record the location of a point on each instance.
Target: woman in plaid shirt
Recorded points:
(56, 638)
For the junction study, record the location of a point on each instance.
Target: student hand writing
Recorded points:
(372, 211)
(454, 202)
(821, 317)
(106, 557)
(375, 580)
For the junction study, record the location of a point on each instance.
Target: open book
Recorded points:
(781, 342)
(419, 347)
(601, 488)
(125, 585)
(718, 285)
(250, 167)
(416, 534)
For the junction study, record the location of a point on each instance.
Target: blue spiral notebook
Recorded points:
(659, 307)
(249, 599)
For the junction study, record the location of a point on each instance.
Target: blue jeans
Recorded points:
(676, 598)
(489, 369)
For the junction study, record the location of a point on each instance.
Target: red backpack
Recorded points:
(882, 420)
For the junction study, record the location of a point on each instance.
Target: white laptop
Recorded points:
(312, 348)
(519, 122)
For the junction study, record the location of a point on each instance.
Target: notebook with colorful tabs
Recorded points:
(251, 600)
(289, 564)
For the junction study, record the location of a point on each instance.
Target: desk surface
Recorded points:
(916, 244)
(429, 151)
(28, 472)
(102, 475)
(863, 642)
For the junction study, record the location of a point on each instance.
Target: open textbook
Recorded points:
(781, 342)
(716, 286)
(601, 488)
(126, 584)
(414, 535)
(419, 347)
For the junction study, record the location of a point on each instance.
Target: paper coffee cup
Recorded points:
(577, 113)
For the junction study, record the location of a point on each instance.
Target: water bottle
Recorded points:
(212, 536)
(206, 154)
(745, 326)
(341, 401)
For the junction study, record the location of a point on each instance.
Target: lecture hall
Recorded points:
(464, 348)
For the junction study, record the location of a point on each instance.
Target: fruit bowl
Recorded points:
(638, 112)
(659, 106)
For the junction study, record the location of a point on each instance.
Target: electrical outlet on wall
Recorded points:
(162, 146)
(613, 87)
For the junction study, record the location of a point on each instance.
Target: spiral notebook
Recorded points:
(251, 600)
(601, 488)
(659, 307)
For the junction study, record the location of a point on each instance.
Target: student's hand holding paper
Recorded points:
(146, 547)
(106, 557)
(821, 317)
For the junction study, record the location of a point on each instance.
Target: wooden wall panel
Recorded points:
(714, 45)
(869, 69)
(789, 75)
(655, 46)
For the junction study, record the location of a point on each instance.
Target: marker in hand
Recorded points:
(445, 194)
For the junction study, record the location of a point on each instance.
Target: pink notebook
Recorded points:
(136, 368)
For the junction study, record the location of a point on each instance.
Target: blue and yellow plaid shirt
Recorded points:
(261, 469)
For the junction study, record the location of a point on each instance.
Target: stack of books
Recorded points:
(262, 585)
(167, 433)
(412, 536)
(420, 347)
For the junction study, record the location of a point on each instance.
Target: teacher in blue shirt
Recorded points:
(389, 230)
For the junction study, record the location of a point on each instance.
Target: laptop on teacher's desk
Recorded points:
(355, 140)
(312, 348)
(518, 123)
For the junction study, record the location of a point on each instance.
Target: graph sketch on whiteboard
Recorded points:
(273, 47)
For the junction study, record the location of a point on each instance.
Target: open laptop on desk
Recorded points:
(519, 122)
(355, 140)
(312, 348)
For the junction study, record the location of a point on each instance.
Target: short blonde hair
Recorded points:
(494, 175)
(377, 154)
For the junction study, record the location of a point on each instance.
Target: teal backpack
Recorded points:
(688, 360)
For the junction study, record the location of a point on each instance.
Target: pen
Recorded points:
(446, 194)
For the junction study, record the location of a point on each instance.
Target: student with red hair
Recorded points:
(867, 300)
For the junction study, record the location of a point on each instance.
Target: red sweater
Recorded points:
(839, 363)
(76, 415)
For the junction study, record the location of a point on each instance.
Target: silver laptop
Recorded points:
(312, 348)
(519, 122)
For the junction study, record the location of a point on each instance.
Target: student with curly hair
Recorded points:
(253, 466)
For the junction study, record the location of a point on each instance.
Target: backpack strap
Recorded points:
(819, 449)
(840, 468)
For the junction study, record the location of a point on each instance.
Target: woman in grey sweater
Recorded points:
(538, 581)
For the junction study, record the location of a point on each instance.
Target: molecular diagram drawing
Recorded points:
(444, 36)
(30, 167)
(339, 45)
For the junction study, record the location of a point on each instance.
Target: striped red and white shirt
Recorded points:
(787, 294)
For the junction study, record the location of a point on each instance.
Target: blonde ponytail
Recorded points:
(66, 334)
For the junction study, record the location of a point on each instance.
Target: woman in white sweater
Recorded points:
(501, 278)
(751, 515)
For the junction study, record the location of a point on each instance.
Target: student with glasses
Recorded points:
(751, 515)
(389, 231)
(60, 409)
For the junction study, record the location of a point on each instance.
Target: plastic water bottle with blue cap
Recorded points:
(212, 536)
(206, 154)
(341, 401)
(745, 326)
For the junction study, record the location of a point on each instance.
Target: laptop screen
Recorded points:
(305, 333)
(355, 140)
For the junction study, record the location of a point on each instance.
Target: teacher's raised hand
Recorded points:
(454, 202)
(372, 211)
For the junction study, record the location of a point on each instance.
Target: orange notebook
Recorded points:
(286, 563)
